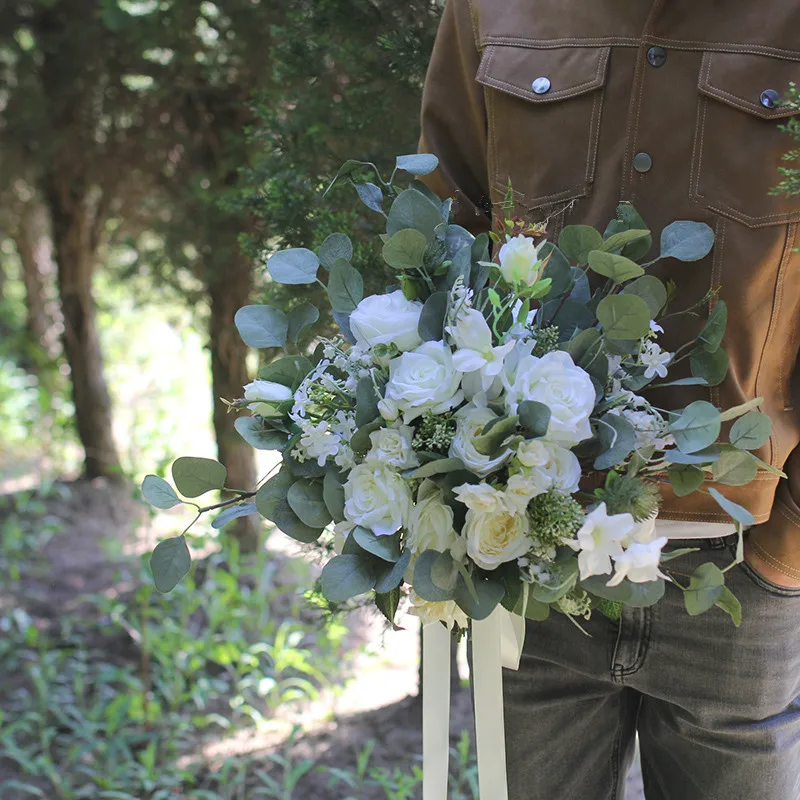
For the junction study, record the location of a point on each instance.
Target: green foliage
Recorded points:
(170, 562)
(687, 241)
(790, 185)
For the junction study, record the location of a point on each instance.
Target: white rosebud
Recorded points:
(388, 409)
(520, 261)
(385, 319)
(471, 422)
(270, 393)
(430, 525)
(377, 498)
(480, 497)
(495, 538)
(392, 447)
(599, 540)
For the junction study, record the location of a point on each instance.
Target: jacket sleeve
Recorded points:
(454, 118)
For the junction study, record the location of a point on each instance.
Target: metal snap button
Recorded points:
(770, 98)
(657, 56)
(541, 85)
(643, 162)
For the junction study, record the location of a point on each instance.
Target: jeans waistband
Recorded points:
(714, 543)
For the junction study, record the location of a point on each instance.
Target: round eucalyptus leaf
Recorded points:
(685, 479)
(651, 290)
(423, 582)
(333, 494)
(387, 548)
(412, 209)
(751, 431)
(391, 576)
(307, 501)
(610, 265)
(697, 427)
(624, 316)
(285, 519)
(196, 476)
(272, 492)
(347, 576)
(705, 588)
(489, 593)
(711, 366)
(418, 163)
(735, 468)
(169, 562)
(336, 246)
(687, 241)
(262, 326)
(259, 435)
(713, 331)
(405, 250)
(159, 493)
(577, 241)
(345, 287)
(297, 265)
(301, 319)
(371, 196)
(232, 513)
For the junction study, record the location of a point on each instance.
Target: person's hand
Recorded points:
(757, 555)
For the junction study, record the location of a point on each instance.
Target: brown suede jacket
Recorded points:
(674, 106)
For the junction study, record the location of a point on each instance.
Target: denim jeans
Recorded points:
(717, 708)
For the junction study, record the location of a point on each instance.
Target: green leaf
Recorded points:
(686, 241)
(301, 319)
(734, 510)
(262, 326)
(273, 492)
(620, 239)
(617, 438)
(536, 610)
(489, 595)
(671, 555)
(651, 290)
(705, 588)
(460, 267)
(159, 493)
(259, 435)
(534, 417)
(685, 479)
(347, 576)
(371, 196)
(169, 563)
(494, 434)
(444, 572)
(705, 456)
(741, 410)
(305, 497)
(412, 209)
(405, 250)
(333, 494)
(418, 163)
(423, 582)
(360, 441)
(287, 521)
(624, 316)
(751, 431)
(288, 371)
(302, 469)
(713, 331)
(711, 366)
(697, 427)
(387, 548)
(336, 246)
(196, 476)
(431, 320)
(232, 513)
(557, 270)
(569, 316)
(565, 576)
(387, 603)
(577, 241)
(729, 603)
(345, 287)
(392, 576)
(366, 401)
(636, 595)
(735, 468)
(581, 344)
(437, 467)
(618, 268)
(295, 266)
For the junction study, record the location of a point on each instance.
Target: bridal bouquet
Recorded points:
(478, 434)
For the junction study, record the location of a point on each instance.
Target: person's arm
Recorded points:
(454, 118)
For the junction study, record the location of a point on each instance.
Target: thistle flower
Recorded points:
(625, 494)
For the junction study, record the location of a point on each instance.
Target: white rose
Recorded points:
(430, 525)
(520, 261)
(269, 392)
(447, 612)
(424, 380)
(533, 453)
(564, 388)
(377, 498)
(471, 422)
(392, 447)
(386, 318)
(480, 497)
(523, 487)
(493, 539)
(599, 540)
(639, 563)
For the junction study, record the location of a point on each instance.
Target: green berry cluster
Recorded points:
(546, 341)
(435, 434)
(554, 517)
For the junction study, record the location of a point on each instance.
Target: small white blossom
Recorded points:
(655, 327)
(654, 359)
(599, 540)
(318, 442)
(639, 563)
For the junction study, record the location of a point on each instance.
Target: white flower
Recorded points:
(377, 498)
(387, 318)
(563, 468)
(655, 327)
(424, 380)
(430, 525)
(388, 409)
(475, 353)
(497, 537)
(564, 388)
(447, 612)
(318, 442)
(642, 533)
(654, 359)
(533, 453)
(471, 422)
(639, 563)
(392, 447)
(269, 392)
(523, 487)
(520, 261)
(599, 539)
(480, 497)
(651, 430)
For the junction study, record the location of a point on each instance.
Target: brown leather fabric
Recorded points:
(715, 150)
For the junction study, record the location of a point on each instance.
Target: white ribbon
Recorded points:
(496, 643)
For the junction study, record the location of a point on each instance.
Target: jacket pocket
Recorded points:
(738, 145)
(543, 107)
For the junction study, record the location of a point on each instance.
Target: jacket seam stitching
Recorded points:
(473, 18)
(740, 103)
(552, 44)
(757, 50)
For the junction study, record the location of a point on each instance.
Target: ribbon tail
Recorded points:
(488, 692)
(435, 711)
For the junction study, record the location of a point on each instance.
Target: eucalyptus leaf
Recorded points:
(619, 240)
(345, 287)
(697, 427)
(711, 366)
(333, 494)
(342, 319)
(159, 493)
(444, 572)
(170, 562)
(734, 510)
(534, 417)
(457, 239)
(624, 316)
(729, 603)
(568, 315)
(366, 401)
(432, 318)
(387, 548)
(557, 269)
(262, 326)
(741, 410)
(489, 595)
(438, 467)
(577, 241)
(564, 578)
(618, 268)
(418, 163)
(405, 250)
(494, 434)
(705, 588)
(347, 576)
(295, 266)
(232, 513)
(687, 241)
(705, 456)
(423, 583)
(752, 431)
(302, 318)
(360, 442)
(412, 209)
(196, 476)
(735, 468)
(335, 246)
(711, 336)
(371, 196)
(287, 521)
(460, 267)
(309, 468)
(273, 492)
(305, 497)
(391, 575)
(685, 479)
(288, 371)
(651, 290)
(387, 603)
(259, 435)
(618, 439)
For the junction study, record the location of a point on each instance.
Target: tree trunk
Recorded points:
(75, 226)
(229, 289)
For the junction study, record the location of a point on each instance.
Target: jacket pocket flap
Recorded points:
(750, 83)
(557, 73)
